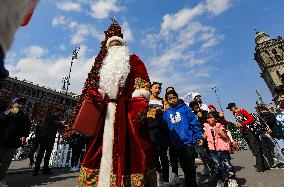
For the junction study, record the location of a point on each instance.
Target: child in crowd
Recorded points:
(174, 179)
(218, 145)
(158, 133)
(184, 133)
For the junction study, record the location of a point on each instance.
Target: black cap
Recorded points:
(230, 105)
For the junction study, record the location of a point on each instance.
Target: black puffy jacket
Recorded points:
(12, 128)
(270, 119)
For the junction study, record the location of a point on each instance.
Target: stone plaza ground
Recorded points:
(20, 175)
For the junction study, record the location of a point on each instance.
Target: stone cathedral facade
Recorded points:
(269, 54)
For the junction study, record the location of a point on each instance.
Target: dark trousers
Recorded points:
(173, 160)
(3, 72)
(160, 153)
(45, 145)
(34, 146)
(255, 147)
(268, 150)
(76, 153)
(186, 156)
(6, 156)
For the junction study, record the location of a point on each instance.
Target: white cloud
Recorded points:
(49, 71)
(179, 43)
(127, 32)
(82, 32)
(34, 51)
(183, 46)
(62, 47)
(69, 6)
(211, 42)
(176, 21)
(59, 20)
(217, 6)
(101, 9)
(173, 22)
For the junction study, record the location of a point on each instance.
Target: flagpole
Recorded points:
(215, 91)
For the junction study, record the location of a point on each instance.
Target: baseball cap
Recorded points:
(230, 105)
(19, 100)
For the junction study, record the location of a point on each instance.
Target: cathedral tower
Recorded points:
(269, 54)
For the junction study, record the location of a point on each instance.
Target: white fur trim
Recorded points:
(102, 93)
(106, 161)
(114, 38)
(141, 93)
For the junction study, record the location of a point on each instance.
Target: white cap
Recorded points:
(194, 94)
(114, 38)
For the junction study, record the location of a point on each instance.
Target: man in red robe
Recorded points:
(120, 153)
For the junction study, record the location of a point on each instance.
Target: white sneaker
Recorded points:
(232, 183)
(163, 184)
(3, 184)
(220, 184)
(159, 177)
(174, 179)
(76, 169)
(72, 169)
(197, 180)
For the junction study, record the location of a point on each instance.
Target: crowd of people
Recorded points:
(179, 133)
(181, 128)
(138, 134)
(21, 138)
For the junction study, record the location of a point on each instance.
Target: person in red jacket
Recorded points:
(244, 119)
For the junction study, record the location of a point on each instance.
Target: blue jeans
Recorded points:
(222, 165)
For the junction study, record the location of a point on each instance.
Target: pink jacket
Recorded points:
(218, 144)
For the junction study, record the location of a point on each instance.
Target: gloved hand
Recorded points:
(95, 96)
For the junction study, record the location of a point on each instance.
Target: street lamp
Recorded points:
(215, 91)
(66, 78)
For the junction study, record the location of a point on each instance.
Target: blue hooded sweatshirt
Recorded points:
(183, 126)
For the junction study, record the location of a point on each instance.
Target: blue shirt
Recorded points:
(183, 126)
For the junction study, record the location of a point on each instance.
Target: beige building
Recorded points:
(269, 54)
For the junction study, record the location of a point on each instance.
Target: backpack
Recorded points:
(259, 126)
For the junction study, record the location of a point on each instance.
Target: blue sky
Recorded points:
(192, 45)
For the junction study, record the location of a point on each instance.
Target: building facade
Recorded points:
(39, 98)
(269, 54)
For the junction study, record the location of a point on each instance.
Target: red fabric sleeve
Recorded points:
(139, 69)
(249, 117)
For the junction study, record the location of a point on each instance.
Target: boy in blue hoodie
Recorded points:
(184, 134)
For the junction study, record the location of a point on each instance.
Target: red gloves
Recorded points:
(95, 96)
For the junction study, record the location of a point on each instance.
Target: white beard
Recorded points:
(114, 71)
(113, 74)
